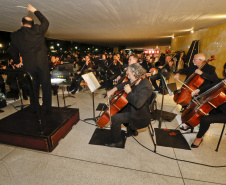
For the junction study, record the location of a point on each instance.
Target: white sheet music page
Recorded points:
(91, 80)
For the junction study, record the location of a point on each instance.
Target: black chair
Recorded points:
(220, 137)
(153, 110)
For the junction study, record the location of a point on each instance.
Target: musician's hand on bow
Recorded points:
(198, 71)
(177, 76)
(79, 72)
(224, 81)
(160, 67)
(127, 88)
(111, 92)
(195, 92)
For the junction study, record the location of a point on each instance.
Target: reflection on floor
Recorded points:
(74, 161)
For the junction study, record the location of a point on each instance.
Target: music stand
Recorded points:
(60, 78)
(164, 87)
(93, 85)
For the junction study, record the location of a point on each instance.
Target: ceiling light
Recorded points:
(192, 31)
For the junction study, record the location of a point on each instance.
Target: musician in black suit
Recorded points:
(136, 113)
(217, 115)
(207, 72)
(29, 42)
(165, 69)
(76, 80)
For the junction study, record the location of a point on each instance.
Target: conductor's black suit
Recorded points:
(29, 42)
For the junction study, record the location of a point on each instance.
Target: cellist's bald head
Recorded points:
(199, 59)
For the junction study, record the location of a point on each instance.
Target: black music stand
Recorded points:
(61, 78)
(93, 85)
(162, 90)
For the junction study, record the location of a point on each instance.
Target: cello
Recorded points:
(209, 100)
(183, 95)
(116, 103)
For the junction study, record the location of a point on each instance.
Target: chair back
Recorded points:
(153, 106)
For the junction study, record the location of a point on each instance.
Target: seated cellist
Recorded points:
(207, 72)
(136, 113)
(217, 115)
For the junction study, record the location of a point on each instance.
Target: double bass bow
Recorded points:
(116, 103)
(183, 95)
(209, 100)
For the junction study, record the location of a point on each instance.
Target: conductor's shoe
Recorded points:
(118, 144)
(25, 97)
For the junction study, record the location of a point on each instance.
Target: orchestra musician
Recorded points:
(85, 68)
(164, 68)
(217, 115)
(114, 70)
(132, 60)
(136, 113)
(207, 72)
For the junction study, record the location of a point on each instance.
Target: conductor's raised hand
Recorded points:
(31, 8)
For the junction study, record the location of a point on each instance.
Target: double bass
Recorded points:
(116, 103)
(209, 100)
(194, 81)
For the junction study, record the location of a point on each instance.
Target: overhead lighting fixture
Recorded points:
(172, 37)
(192, 31)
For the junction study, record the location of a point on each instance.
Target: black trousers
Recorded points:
(2, 85)
(116, 121)
(41, 76)
(75, 84)
(213, 117)
(157, 77)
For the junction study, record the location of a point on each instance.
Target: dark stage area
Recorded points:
(22, 128)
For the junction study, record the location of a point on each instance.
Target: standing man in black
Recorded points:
(29, 43)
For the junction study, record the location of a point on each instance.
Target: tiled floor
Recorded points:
(74, 161)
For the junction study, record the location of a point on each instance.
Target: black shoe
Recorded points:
(73, 91)
(185, 129)
(196, 146)
(118, 145)
(156, 90)
(182, 109)
(25, 97)
(131, 133)
(55, 93)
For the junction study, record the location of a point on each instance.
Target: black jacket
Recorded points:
(30, 43)
(138, 100)
(209, 75)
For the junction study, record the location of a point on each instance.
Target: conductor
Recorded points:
(29, 43)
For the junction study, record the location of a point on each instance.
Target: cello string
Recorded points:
(209, 90)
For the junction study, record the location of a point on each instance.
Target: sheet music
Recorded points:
(91, 80)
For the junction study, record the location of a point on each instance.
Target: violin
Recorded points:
(183, 95)
(116, 103)
(209, 100)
